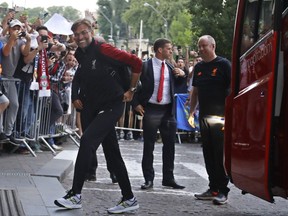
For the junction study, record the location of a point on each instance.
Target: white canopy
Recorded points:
(57, 24)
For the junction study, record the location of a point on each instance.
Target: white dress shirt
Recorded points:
(156, 63)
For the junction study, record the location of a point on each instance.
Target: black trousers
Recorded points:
(158, 117)
(101, 127)
(212, 136)
(94, 161)
(56, 108)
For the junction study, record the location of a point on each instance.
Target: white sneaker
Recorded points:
(69, 201)
(124, 206)
(55, 147)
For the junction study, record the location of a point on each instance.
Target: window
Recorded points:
(258, 20)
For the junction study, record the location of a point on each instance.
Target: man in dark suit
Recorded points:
(155, 101)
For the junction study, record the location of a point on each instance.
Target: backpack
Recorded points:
(122, 74)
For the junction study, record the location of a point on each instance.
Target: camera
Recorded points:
(22, 34)
(44, 38)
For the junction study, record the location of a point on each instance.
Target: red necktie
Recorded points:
(161, 83)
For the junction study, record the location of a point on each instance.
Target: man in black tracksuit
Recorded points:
(101, 101)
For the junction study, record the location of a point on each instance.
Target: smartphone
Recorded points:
(21, 34)
(44, 38)
(51, 55)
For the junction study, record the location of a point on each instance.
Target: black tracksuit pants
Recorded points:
(101, 126)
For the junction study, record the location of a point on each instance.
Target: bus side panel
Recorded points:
(248, 138)
(251, 121)
(280, 150)
(229, 98)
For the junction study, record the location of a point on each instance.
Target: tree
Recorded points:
(180, 29)
(4, 5)
(113, 11)
(69, 12)
(34, 13)
(153, 22)
(3, 9)
(214, 18)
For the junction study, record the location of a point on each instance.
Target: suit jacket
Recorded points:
(147, 86)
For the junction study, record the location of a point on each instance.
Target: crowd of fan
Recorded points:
(26, 50)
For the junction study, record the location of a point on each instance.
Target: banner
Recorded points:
(182, 114)
(57, 24)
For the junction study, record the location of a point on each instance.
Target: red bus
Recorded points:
(256, 116)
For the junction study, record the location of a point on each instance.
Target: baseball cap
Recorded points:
(15, 22)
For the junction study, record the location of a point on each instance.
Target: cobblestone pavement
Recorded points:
(189, 171)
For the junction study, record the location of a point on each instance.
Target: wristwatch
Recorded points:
(133, 89)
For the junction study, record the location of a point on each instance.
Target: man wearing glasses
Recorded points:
(100, 100)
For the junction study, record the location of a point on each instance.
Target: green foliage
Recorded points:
(153, 22)
(4, 5)
(34, 13)
(69, 12)
(180, 29)
(216, 19)
(113, 11)
(187, 20)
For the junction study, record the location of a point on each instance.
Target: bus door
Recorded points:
(251, 105)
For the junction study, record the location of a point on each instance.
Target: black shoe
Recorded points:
(207, 195)
(147, 185)
(91, 178)
(113, 178)
(14, 141)
(172, 184)
(3, 138)
(220, 199)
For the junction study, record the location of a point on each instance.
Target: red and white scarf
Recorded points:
(43, 75)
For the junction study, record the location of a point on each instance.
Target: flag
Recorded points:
(182, 114)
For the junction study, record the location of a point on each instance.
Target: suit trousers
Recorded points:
(101, 127)
(158, 117)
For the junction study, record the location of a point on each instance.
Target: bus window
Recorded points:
(248, 37)
(258, 21)
(266, 18)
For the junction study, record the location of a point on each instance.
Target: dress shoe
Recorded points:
(147, 185)
(172, 184)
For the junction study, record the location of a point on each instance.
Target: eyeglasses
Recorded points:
(83, 33)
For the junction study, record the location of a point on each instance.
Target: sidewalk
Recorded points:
(29, 185)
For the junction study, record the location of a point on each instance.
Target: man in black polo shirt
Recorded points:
(211, 83)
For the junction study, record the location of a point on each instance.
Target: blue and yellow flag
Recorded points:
(182, 114)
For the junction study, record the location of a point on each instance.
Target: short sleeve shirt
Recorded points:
(212, 80)
(10, 62)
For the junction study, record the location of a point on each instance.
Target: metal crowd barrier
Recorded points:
(34, 114)
(181, 130)
(126, 118)
(33, 120)
(5, 84)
